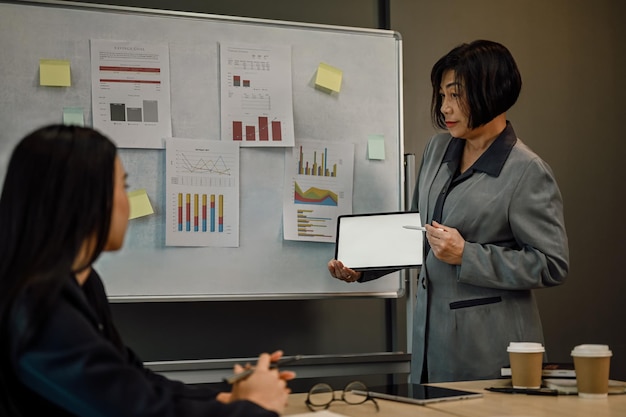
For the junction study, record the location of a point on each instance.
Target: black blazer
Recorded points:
(76, 364)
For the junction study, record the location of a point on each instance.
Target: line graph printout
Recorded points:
(256, 95)
(202, 192)
(130, 90)
(318, 189)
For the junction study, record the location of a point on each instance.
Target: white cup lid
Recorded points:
(592, 351)
(525, 347)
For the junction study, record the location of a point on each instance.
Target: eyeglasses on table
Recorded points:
(322, 395)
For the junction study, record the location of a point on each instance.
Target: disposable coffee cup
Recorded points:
(526, 360)
(592, 364)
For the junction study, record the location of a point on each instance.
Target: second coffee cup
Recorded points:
(526, 364)
(592, 364)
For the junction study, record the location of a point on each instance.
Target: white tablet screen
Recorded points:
(379, 240)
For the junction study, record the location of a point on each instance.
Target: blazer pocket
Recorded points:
(474, 302)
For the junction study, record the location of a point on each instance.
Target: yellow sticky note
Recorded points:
(376, 147)
(328, 77)
(54, 72)
(139, 204)
(73, 116)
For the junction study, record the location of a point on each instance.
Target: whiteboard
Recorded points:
(264, 265)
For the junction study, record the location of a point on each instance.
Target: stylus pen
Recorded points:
(408, 226)
(528, 391)
(243, 375)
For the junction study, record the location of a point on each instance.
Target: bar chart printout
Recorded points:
(256, 95)
(202, 192)
(318, 189)
(130, 92)
(208, 213)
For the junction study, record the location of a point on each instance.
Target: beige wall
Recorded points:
(571, 54)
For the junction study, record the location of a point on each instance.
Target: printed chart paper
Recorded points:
(318, 189)
(256, 95)
(202, 192)
(130, 92)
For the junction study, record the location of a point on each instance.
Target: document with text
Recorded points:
(130, 92)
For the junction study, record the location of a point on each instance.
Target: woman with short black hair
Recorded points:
(493, 215)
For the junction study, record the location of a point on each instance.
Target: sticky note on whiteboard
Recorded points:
(329, 77)
(54, 73)
(139, 204)
(376, 147)
(73, 116)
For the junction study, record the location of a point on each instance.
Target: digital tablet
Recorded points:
(417, 393)
(392, 240)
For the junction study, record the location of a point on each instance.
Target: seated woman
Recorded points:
(63, 203)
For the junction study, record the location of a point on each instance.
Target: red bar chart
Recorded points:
(239, 82)
(264, 133)
(257, 132)
(256, 95)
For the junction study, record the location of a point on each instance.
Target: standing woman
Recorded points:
(494, 223)
(64, 202)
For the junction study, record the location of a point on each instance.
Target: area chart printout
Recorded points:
(202, 192)
(256, 95)
(130, 92)
(318, 189)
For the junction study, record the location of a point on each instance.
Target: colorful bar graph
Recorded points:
(212, 212)
(320, 170)
(188, 212)
(204, 216)
(220, 219)
(310, 225)
(204, 212)
(180, 212)
(196, 223)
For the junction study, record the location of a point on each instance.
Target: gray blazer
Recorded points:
(512, 222)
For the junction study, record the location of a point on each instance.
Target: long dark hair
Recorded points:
(489, 78)
(57, 194)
